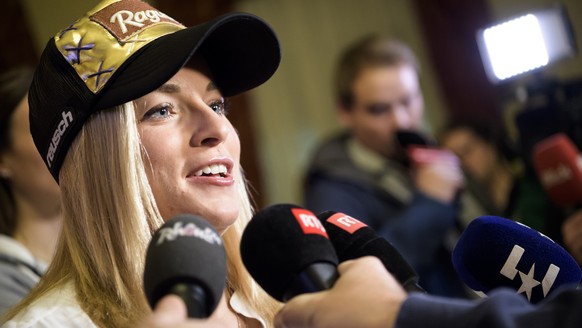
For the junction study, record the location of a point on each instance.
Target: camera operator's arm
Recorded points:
(366, 296)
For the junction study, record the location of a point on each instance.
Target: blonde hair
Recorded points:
(109, 217)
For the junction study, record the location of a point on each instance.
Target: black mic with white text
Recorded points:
(186, 257)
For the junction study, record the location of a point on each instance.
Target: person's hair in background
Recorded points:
(374, 50)
(30, 211)
(104, 168)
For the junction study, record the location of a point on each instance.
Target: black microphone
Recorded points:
(186, 257)
(287, 251)
(496, 252)
(419, 149)
(353, 239)
(406, 138)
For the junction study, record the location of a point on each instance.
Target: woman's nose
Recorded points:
(211, 128)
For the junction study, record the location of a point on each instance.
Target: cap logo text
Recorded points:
(67, 119)
(124, 19)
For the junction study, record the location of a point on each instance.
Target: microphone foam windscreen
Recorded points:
(185, 250)
(406, 138)
(353, 239)
(280, 242)
(496, 252)
(559, 167)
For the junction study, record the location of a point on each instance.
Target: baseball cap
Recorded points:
(124, 49)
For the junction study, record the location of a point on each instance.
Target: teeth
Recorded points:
(212, 169)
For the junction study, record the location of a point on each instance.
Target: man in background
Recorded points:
(364, 172)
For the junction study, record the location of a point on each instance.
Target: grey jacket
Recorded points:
(19, 272)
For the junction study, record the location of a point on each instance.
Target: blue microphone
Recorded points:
(496, 252)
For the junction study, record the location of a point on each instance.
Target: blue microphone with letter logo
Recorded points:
(496, 252)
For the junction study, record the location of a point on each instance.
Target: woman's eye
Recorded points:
(220, 107)
(160, 111)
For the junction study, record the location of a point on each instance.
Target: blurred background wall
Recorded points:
(281, 122)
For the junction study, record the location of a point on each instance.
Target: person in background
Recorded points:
(496, 175)
(30, 204)
(487, 162)
(361, 171)
(130, 117)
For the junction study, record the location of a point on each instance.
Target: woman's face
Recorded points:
(192, 151)
(478, 157)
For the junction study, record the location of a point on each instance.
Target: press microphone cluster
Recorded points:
(186, 257)
(289, 250)
(495, 252)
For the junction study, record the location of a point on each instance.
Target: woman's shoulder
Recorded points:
(57, 308)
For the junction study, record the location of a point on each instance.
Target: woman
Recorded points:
(487, 160)
(30, 210)
(497, 176)
(127, 111)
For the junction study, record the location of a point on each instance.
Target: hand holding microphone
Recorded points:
(436, 172)
(365, 295)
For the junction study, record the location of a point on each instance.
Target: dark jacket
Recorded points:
(414, 223)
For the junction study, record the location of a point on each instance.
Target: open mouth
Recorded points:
(212, 170)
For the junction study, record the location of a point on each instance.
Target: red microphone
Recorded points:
(558, 164)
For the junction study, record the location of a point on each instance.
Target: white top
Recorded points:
(59, 308)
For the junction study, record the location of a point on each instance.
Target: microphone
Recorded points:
(419, 149)
(352, 239)
(186, 257)
(496, 252)
(287, 251)
(558, 164)
(408, 138)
